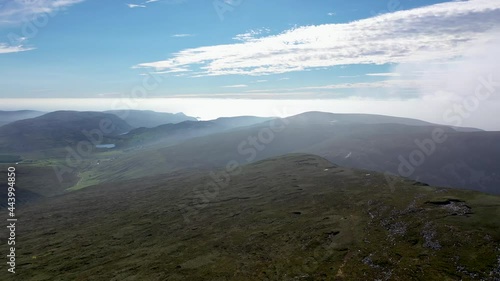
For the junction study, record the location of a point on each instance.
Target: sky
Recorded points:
(433, 60)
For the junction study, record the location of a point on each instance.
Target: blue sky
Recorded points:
(246, 49)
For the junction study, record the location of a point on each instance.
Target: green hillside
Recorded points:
(295, 217)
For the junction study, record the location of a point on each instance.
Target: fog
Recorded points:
(431, 110)
(467, 87)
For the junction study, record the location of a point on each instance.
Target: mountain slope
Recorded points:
(316, 117)
(7, 117)
(464, 160)
(150, 119)
(295, 217)
(240, 121)
(173, 133)
(57, 129)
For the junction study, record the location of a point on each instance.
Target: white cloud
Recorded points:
(15, 12)
(172, 70)
(402, 84)
(236, 86)
(111, 94)
(331, 14)
(5, 49)
(386, 74)
(19, 12)
(136, 6)
(145, 4)
(385, 84)
(251, 35)
(457, 80)
(438, 32)
(182, 35)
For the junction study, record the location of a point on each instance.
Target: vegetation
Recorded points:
(57, 130)
(159, 207)
(295, 217)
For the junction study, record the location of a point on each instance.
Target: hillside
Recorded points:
(316, 117)
(464, 160)
(57, 129)
(240, 121)
(173, 133)
(150, 119)
(7, 117)
(295, 217)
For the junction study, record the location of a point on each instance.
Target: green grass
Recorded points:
(85, 179)
(36, 171)
(296, 217)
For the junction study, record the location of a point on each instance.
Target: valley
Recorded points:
(315, 196)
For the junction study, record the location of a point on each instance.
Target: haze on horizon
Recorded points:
(208, 109)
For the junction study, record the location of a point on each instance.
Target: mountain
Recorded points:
(7, 117)
(168, 134)
(293, 217)
(150, 119)
(58, 129)
(240, 121)
(316, 117)
(464, 159)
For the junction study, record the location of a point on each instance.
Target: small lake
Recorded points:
(108, 145)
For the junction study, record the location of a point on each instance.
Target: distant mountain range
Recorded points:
(148, 118)
(385, 144)
(57, 129)
(465, 158)
(7, 117)
(135, 118)
(173, 133)
(61, 128)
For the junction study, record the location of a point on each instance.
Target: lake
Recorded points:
(108, 145)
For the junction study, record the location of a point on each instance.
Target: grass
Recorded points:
(85, 179)
(296, 217)
(40, 179)
(37, 171)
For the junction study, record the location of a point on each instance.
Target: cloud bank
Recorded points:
(437, 32)
(455, 80)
